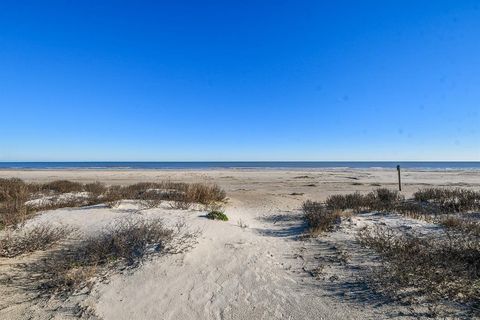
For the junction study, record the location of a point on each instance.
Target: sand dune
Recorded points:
(262, 271)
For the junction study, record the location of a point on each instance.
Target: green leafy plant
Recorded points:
(217, 215)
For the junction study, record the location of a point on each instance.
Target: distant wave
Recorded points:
(443, 165)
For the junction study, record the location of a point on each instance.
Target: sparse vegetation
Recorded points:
(242, 224)
(62, 186)
(431, 267)
(354, 201)
(15, 193)
(460, 224)
(125, 243)
(320, 218)
(96, 189)
(217, 215)
(378, 200)
(449, 200)
(39, 237)
(425, 203)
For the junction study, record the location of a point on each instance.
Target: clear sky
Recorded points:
(239, 80)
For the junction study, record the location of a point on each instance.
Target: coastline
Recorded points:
(314, 182)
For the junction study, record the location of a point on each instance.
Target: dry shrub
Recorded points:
(427, 203)
(13, 195)
(63, 186)
(379, 200)
(384, 199)
(205, 194)
(181, 203)
(152, 199)
(150, 203)
(214, 206)
(319, 218)
(354, 201)
(71, 202)
(416, 209)
(188, 194)
(113, 196)
(450, 200)
(15, 192)
(461, 224)
(96, 189)
(126, 243)
(181, 195)
(39, 237)
(427, 267)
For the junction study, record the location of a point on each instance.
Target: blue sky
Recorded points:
(239, 80)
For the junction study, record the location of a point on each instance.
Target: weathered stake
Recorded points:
(399, 179)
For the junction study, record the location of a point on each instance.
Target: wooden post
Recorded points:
(399, 179)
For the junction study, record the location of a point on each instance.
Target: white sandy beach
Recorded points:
(263, 271)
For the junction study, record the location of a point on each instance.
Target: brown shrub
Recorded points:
(13, 195)
(450, 200)
(151, 199)
(15, 192)
(431, 267)
(95, 188)
(182, 195)
(181, 203)
(63, 186)
(383, 199)
(39, 237)
(462, 225)
(319, 218)
(354, 201)
(379, 200)
(204, 194)
(113, 196)
(126, 243)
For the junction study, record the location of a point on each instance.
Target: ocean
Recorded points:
(440, 165)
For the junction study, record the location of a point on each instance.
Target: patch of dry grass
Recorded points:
(14, 193)
(461, 224)
(39, 237)
(379, 200)
(429, 268)
(319, 217)
(63, 186)
(450, 200)
(426, 203)
(124, 244)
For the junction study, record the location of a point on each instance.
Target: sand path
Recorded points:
(232, 273)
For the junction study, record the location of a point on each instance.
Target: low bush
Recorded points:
(96, 189)
(217, 215)
(63, 186)
(319, 217)
(378, 200)
(39, 237)
(461, 224)
(384, 199)
(431, 267)
(126, 243)
(204, 194)
(13, 195)
(354, 201)
(425, 203)
(450, 200)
